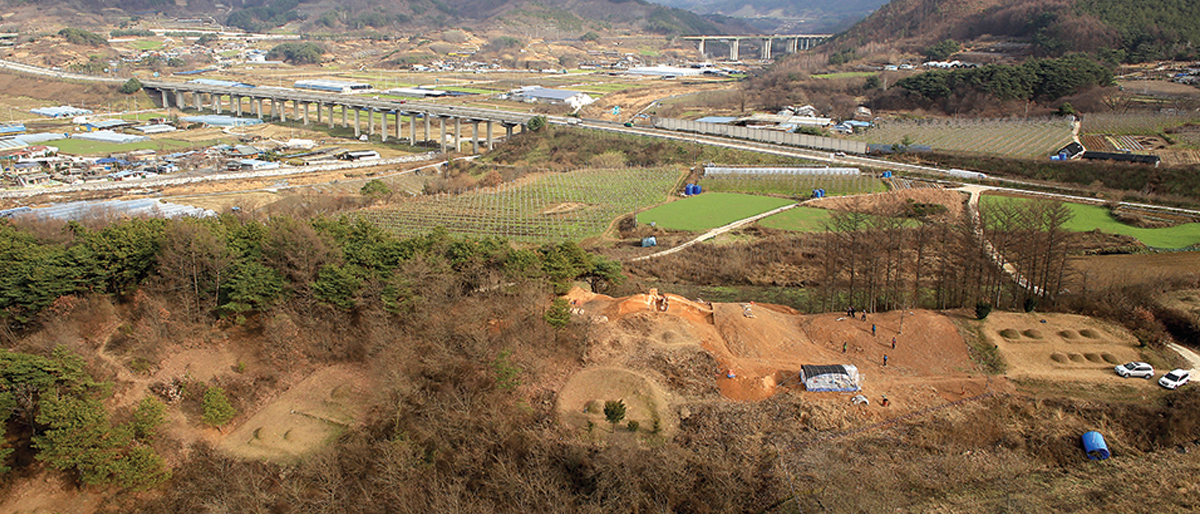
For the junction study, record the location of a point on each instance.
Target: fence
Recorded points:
(713, 171)
(766, 136)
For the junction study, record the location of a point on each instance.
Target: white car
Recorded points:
(1175, 378)
(1135, 369)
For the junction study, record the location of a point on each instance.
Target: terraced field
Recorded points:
(1021, 138)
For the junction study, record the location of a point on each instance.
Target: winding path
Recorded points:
(716, 232)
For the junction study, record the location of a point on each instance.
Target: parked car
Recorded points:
(1175, 378)
(1136, 369)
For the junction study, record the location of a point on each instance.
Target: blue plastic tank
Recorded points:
(1093, 444)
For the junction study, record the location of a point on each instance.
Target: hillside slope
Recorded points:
(1119, 31)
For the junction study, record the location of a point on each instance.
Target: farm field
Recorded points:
(709, 210)
(800, 219)
(1133, 124)
(1031, 138)
(82, 147)
(1094, 217)
(794, 185)
(553, 207)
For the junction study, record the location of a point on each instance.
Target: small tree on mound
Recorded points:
(982, 309)
(536, 123)
(217, 410)
(559, 314)
(131, 86)
(375, 188)
(614, 412)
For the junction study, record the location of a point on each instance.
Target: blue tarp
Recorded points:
(1094, 445)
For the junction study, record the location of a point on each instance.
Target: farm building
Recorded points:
(1122, 157)
(108, 136)
(157, 128)
(214, 120)
(60, 112)
(332, 86)
(12, 130)
(254, 165)
(575, 99)
(835, 378)
(94, 125)
(668, 71)
(417, 92)
(1072, 151)
(360, 155)
(214, 82)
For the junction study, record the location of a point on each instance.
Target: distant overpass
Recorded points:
(794, 42)
(257, 101)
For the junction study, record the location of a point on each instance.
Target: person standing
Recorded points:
(872, 330)
(893, 343)
(885, 360)
(844, 347)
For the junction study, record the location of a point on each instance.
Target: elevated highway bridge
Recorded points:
(283, 104)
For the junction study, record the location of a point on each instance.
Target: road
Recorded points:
(1016, 186)
(716, 232)
(1192, 357)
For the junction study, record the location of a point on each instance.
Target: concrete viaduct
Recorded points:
(256, 100)
(795, 42)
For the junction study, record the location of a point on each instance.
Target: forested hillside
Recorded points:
(1117, 30)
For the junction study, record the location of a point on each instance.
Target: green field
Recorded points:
(1093, 217)
(148, 45)
(709, 210)
(554, 207)
(81, 147)
(794, 185)
(799, 219)
(608, 87)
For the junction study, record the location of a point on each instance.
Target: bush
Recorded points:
(559, 314)
(297, 53)
(537, 123)
(982, 309)
(633, 426)
(590, 36)
(614, 411)
(1031, 303)
(131, 86)
(217, 410)
(942, 50)
(375, 188)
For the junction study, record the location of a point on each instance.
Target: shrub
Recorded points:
(83, 37)
(614, 411)
(982, 309)
(375, 188)
(633, 426)
(590, 36)
(559, 314)
(217, 410)
(537, 123)
(131, 86)
(1031, 303)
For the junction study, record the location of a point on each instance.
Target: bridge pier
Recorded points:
(282, 109)
(412, 134)
(442, 139)
(198, 101)
(357, 124)
(457, 134)
(344, 123)
(766, 49)
(426, 116)
(733, 49)
(165, 103)
(474, 136)
(383, 125)
(320, 107)
(304, 115)
(330, 115)
(701, 45)
(179, 100)
(370, 122)
(489, 134)
(258, 107)
(399, 125)
(508, 131)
